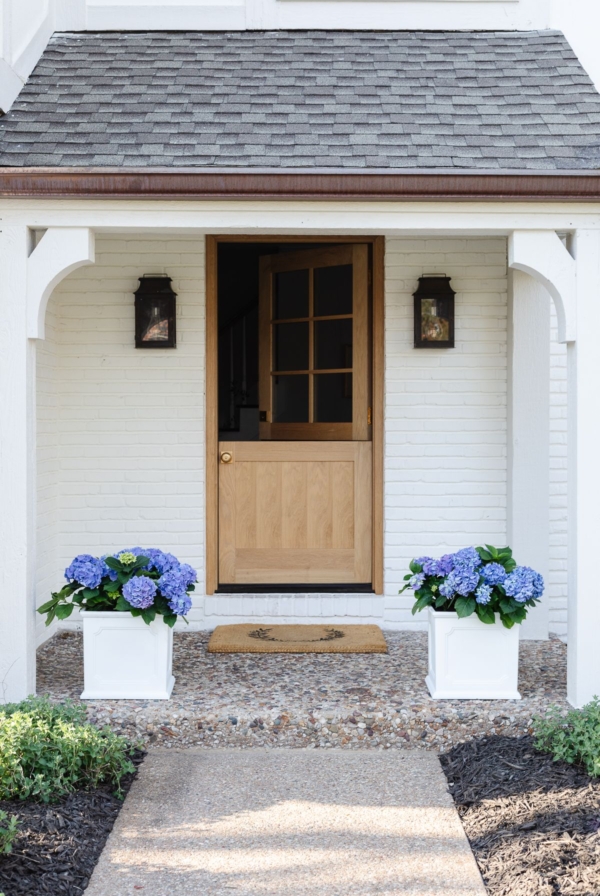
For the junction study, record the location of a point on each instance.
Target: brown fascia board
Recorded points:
(302, 184)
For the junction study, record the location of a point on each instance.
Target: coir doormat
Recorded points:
(252, 638)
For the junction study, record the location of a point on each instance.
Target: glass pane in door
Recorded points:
(333, 398)
(290, 346)
(333, 344)
(333, 290)
(290, 398)
(291, 295)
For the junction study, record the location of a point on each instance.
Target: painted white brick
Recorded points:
(445, 411)
(120, 458)
(121, 432)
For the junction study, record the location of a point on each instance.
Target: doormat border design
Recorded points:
(282, 638)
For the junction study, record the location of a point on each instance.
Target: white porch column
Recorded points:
(528, 511)
(583, 361)
(17, 472)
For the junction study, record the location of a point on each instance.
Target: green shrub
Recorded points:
(8, 832)
(573, 737)
(48, 750)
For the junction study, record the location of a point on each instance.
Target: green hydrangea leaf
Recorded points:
(465, 606)
(113, 563)
(64, 610)
(485, 614)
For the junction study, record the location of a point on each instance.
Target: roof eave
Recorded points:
(314, 183)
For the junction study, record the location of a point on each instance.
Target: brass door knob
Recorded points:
(226, 457)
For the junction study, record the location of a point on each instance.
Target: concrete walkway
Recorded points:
(295, 822)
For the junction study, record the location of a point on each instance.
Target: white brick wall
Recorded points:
(445, 467)
(130, 434)
(121, 432)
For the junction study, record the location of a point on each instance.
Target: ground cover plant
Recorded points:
(533, 822)
(62, 783)
(48, 750)
(573, 737)
(8, 832)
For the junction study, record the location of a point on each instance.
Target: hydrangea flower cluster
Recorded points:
(483, 580)
(143, 581)
(86, 570)
(140, 592)
(493, 574)
(524, 584)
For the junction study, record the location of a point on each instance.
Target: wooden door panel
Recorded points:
(295, 512)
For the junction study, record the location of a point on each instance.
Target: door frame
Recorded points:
(212, 384)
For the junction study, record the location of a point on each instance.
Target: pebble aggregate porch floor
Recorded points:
(350, 701)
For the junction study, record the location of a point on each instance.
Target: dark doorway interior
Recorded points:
(237, 297)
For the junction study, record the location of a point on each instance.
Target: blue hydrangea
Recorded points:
(445, 565)
(181, 604)
(161, 561)
(461, 581)
(86, 570)
(140, 592)
(493, 574)
(447, 588)
(427, 564)
(416, 581)
(524, 584)
(173, 584)
(467, 559)
(189, 573)
(441, 567)
(483, 595)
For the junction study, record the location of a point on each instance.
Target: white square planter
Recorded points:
(469, 660)
(126, 659)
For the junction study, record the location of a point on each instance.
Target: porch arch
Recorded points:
(60, 251)
(543, 255)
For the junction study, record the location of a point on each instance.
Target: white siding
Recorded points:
(48, 483)
(557, 584)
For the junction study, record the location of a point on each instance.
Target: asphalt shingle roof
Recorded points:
(305, 99)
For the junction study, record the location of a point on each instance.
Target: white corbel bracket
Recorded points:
(542, 255)
(60, 251)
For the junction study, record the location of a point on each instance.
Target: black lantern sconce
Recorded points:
(434, 312)
(155, 312)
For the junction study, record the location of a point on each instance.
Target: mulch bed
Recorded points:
(533, 824)
(58, 844)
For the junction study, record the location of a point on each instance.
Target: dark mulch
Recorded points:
(533, 824)
(59, 844)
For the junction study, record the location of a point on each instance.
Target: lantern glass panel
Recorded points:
(435, 320)
(155, 321)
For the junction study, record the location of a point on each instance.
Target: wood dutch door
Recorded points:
(295, 507)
